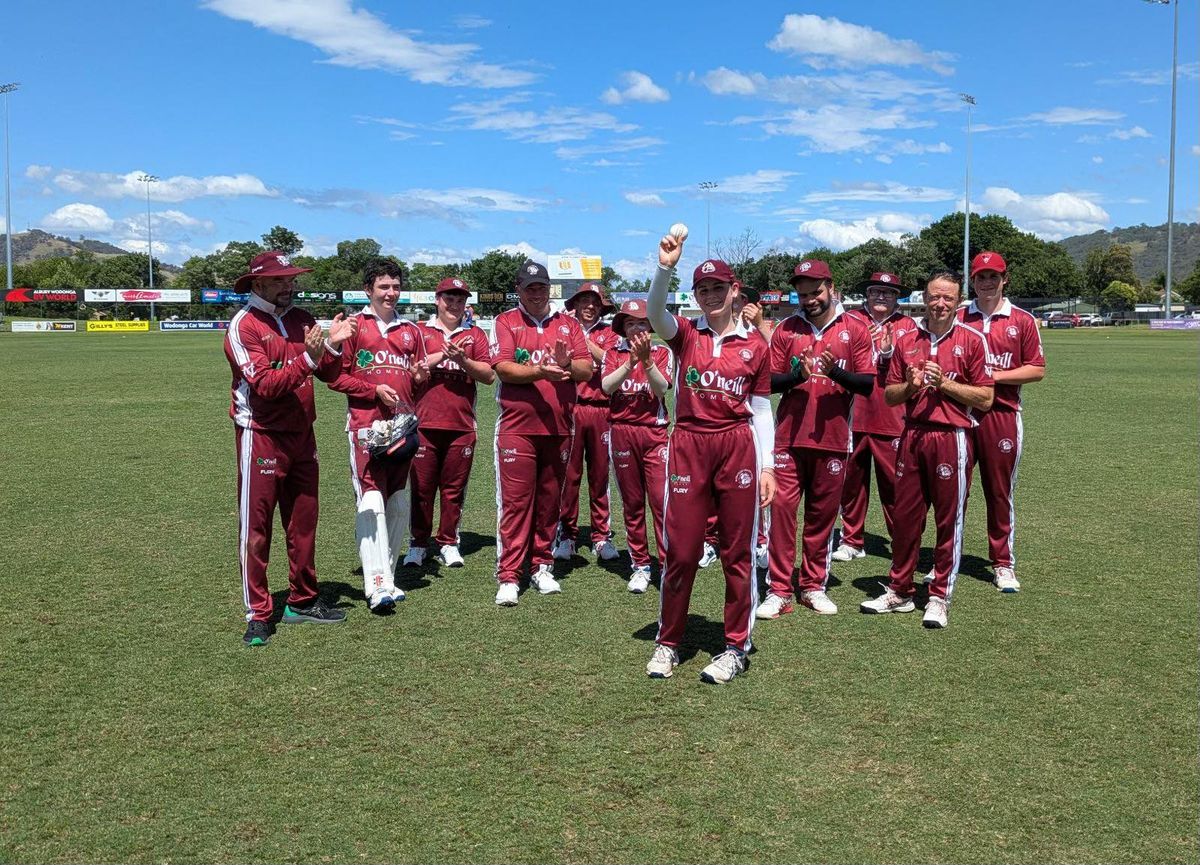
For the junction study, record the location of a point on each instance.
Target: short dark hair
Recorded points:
(378, 267)
(948, 275)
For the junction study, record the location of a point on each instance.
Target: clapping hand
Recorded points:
(639, 345)
(314, 342)
(562, 354)
(342, 328)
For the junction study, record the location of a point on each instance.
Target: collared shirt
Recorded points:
(1013, 340)
(634, 402)
(379, 353)
(872, 414)
(716, 375)
(816, 413)
(605, 337)
(961, 353)
(447, 400)
(541, 407)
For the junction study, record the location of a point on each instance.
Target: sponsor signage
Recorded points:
(575, 267)
(220, 295)
(41, 295)
(770, 297)
(1170, 324)
(317, 296)
(1060, 323)
(118, 326)
(193, 325)
(492, 297)
(354, 296)
(620, 297)
(137, 295)
(43, 326)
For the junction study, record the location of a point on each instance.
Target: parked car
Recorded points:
(1090, 319)
(1063, 319)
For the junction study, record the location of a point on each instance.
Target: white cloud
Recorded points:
(1052, 217)
(842, 128)
(477, 198)
(1064, 116)
(1097, 160)
(824, 42)
(843, 235)
(550, 126)
(1126, 134)
(523, 248)
(178, 188)
(884, 158)
(471, 22)
(887, 191)
(38, 172)
(635, 232)
(728, 82)
(645, 199)
(620, 145)
(356, 38)
(761, 182)
(1154, 77)
(915, 148)
(636, 87)
(636, 268)
(1196, 150)
(79, 217)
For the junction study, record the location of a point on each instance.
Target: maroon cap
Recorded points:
(714, 268)
(988, 261)
(629, 309)
(811, 268)
(887, 280)
(606, 304)
(266, 264)
(452, 284)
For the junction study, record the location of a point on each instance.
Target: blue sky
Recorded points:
(444, 130)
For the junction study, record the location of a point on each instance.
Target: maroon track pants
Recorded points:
(590, 444)
(815, 476)
(529, 477)
(856, 487)
(639, 462)
(998, 441)
(443, 461)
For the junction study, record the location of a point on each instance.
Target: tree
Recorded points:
(1119, 295)
(234, 260)
(282, 239)
(739, 249)
(197, 273)
(354, 254)
(1104, 266)
(425, 277)
(1189, 289)
(493, 276)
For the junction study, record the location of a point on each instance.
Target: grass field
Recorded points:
(1057, 725)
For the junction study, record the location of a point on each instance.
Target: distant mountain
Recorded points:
(34, 245)
(1149, 246)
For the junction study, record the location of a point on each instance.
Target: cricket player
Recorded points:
(589, 305)
(876, 425)
(1016, 357)
(381, 366)
(719, 458)
(820, 360)
(940, 374)
(539, 355)
(273, 350)
(636, 376)
(457, 356)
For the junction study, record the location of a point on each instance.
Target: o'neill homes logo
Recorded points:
(711, 381)
(522, 355)
(377, 361)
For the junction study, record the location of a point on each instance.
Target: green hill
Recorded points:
(1148, 244)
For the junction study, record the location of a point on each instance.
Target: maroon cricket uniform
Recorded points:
(876, 428)
(638, 442)
(713, 466)
(273, 412)
(591, 444)
(1013, 340)
(812, 443)
(934, 464)
(446, 410)
(533, 438)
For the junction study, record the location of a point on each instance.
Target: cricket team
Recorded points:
(922, 402)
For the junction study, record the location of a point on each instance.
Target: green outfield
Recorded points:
(1057, 725)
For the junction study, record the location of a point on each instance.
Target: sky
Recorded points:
(443, 130)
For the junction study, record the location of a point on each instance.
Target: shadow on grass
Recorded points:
(700, 635)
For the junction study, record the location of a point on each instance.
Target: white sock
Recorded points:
(399, 506)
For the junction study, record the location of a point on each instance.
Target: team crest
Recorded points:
(708, 267)
(804, 267)
(468, 450)
(945, 471)
(895, 444)
(662, 454)
(844, 336)
(566, 454)
(531, 269)
(835, 467)
(605, 437)
(883, 277)
(1005, 445)
(1010, 331)
(958, 351)
(563, 329)
(746, 354)
(744, 479)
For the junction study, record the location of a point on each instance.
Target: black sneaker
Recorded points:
(257, 633)
(318, 613)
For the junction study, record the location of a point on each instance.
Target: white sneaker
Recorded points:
(415, 557)
(709, 556)
(662, 663)
(397, 594)
(888, 602)
(606, 551)
(774, 607)
(639, 580)
(935, 613)
(819, 602)
(761, 560)
(846, 553)
(543, 580)
(380, 600)
(724, 667)
(1006, 581)
(564, 550)
(507, 595)
(451, 556)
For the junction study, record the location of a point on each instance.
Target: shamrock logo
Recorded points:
(522, 355)
(795, 363)
(692, 377)
(363, 359)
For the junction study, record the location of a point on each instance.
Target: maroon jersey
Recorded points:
(590, 391)
(1013, 340)
(378, 354)
(635, 403)
(541, 407)
(962, 355)
(872, 414)
(447, 400)
(272, 373)
(816, 413)
(715, 375)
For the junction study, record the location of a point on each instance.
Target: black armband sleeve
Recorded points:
(858, 383)
(782, 382)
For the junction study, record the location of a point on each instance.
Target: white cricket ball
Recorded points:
(679, 231)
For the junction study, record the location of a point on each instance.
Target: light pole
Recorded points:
(1171, 168)
(8, 278)
(708, 186)
(148, 179)
(970, 102)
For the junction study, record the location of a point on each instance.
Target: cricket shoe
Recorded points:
(774, 607)
(819, 602)
(936, 611)
(606, 551)
(257, 634)
(1006, 581)
(761, 560)
(451, 557)
(845, 553)
(543, 580)
(662, 663)
(507, 595)
(639, 580)
(888, 602)
(415, 557)
(709, 556)
(724, 667)
(564, 550)
(381, 601)
(316, 613)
